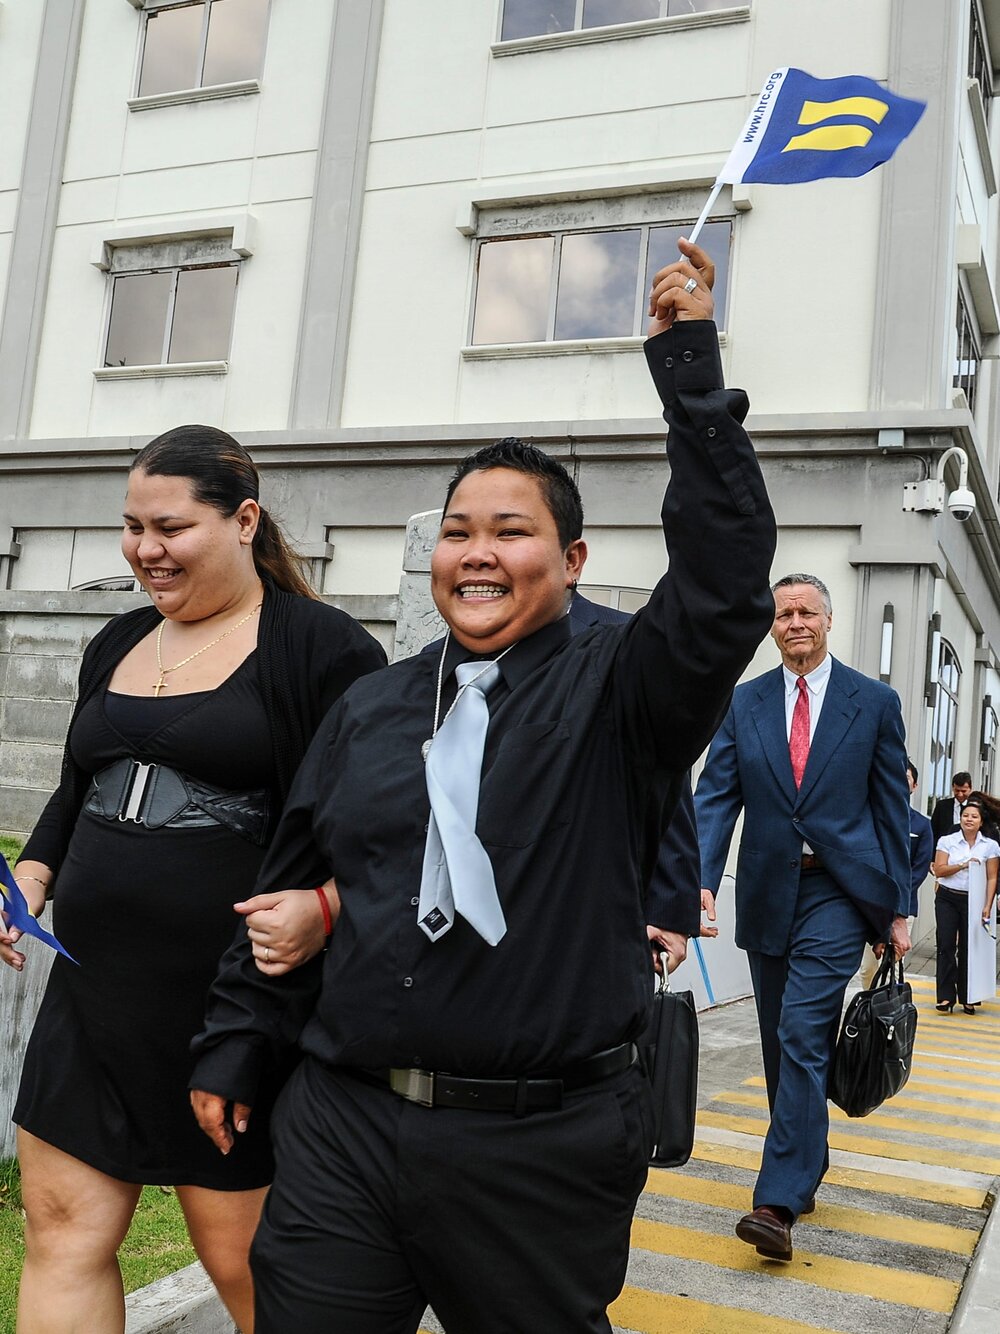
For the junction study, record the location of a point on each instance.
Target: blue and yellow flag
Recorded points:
(17, 913)
(803, 129)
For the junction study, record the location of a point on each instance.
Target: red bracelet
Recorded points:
(325, 905)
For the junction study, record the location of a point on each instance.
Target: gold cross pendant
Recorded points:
(160, 685)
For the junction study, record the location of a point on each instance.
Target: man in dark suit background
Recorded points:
(946, 814)
(673, 898)
(813, 753)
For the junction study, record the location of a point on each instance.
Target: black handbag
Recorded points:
(875, 1048)
(668, 1050)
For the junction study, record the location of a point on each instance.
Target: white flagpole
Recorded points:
(703, 218)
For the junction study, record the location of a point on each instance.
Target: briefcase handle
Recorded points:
(887, 968)
(664, 975)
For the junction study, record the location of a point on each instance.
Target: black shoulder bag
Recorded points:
(875, 1048)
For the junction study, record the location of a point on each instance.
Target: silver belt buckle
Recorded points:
(413, 1085)
(133, 808)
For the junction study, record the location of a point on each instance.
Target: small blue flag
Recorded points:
(805, 129)
(18, 913)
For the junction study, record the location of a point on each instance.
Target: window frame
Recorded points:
(945, 710)
(990, 727)
(143, 247)
(979, 65)
(200, 91)
(965, 324)
(628, 213)
(168, 323)
(739, 11)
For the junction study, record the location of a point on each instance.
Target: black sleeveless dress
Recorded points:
(147, 915)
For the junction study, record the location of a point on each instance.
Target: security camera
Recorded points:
(962, 504)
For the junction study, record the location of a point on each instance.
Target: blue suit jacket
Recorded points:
(852, 807)
(673, 896)
(922, 845)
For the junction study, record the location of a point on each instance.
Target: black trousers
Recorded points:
(951, 914)
(503, 1224)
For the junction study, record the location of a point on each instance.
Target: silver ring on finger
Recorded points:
(267, 953)
(691, 284)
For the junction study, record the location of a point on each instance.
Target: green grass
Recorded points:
(157, 1243)
(11, 848)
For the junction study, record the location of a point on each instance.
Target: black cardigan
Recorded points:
(307, 656)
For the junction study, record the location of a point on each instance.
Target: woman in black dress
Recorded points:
(192, 717)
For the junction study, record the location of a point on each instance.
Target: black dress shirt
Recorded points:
(589, 738)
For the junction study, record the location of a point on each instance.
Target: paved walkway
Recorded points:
(898, 1218)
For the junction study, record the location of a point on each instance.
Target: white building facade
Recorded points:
(366, 236)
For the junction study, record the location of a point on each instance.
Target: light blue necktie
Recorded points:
(457, 875)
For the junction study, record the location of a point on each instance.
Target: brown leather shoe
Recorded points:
(809, 1207)
(769, 1229)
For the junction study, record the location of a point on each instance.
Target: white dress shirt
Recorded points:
(957, 850)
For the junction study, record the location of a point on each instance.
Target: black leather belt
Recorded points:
(538, 1092)
(159, 797)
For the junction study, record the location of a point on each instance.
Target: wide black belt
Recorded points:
(159, 797)
(538, 1092)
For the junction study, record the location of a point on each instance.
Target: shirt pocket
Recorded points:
(523, 796)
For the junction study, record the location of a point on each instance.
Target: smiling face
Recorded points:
(191, 559)
(499, 572)
(801, 626)
(961, 791)
(971, 821)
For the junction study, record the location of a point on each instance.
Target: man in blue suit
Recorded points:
(813, 754)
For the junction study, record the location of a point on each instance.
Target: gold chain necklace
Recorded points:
(161, 683)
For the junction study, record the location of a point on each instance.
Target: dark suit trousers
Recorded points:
(951, 916)
(799, 998)
(503, 1224)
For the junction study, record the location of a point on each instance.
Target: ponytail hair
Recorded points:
(276, 561)
(222, 474)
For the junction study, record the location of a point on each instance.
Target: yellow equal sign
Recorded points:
(832, 138)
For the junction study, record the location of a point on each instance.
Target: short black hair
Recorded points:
(911, 768)
(560, 491)
(961, 778)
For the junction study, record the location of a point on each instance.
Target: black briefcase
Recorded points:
(669, 1052)
(875, 1048)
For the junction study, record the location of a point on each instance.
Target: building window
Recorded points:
(980, 65)
(988, 745)
(949, 677)
(582, 284)
(171, 303)
(201, 43)
(532, 18)
(967, 354)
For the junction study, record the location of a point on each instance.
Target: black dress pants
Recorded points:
(951, 914)
(503, 1224)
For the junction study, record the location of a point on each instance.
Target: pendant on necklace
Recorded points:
(425, 749)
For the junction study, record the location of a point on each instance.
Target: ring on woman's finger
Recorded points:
(691, 284)
(267, 953)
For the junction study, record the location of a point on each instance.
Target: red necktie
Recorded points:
(798, 740)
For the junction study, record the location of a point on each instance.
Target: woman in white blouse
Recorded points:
(955, 853)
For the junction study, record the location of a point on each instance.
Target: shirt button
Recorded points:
(711, 433)
(407, 981)
(414, 903)
(689, 356)
(668, 362)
